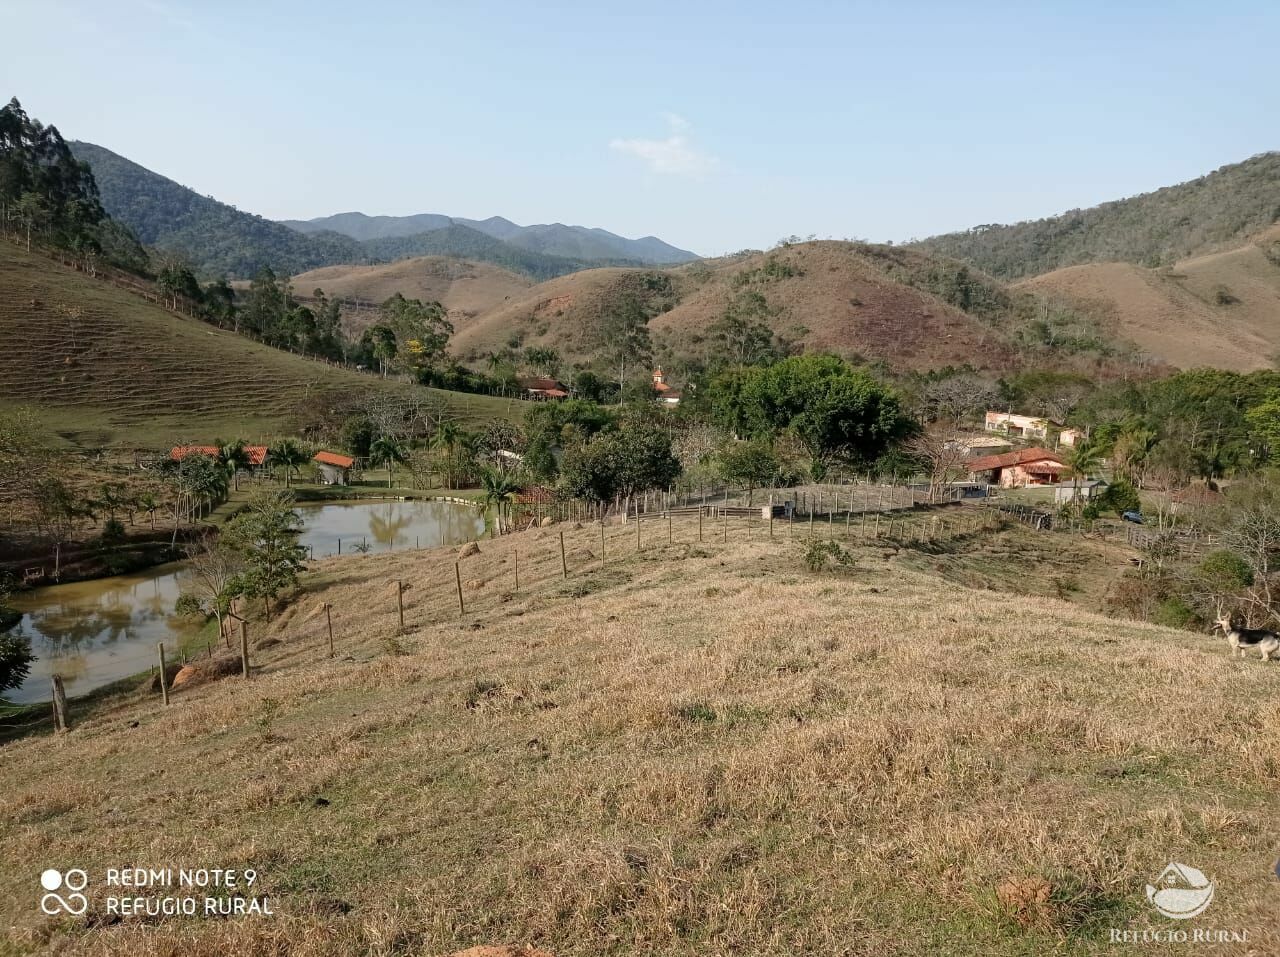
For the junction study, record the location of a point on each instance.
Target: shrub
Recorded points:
(1120, 497)
(1225, 572)
(188, 606)
(1174, 612)
(821, 552)
(112, 533)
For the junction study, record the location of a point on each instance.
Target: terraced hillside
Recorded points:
(103, 367)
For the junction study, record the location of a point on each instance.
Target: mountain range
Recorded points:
(1186, 275)
(217, 239)
(554, 239)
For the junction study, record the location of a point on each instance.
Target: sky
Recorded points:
(716, 126)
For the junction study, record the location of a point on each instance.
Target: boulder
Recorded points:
(171, 672)
(469, 549)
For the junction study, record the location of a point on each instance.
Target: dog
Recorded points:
(1242, 639)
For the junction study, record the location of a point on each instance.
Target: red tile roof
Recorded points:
(536, 495)
(542, 384)
(335, 459)
(1006, 460)
(257, 454)
(180, 452)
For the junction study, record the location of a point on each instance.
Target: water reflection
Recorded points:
(95, 632)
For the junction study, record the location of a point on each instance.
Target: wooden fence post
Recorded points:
(244, 647)
(564, 566)
(700, 523)
(602, 551)
(637, 532)
(517, 561)
(400, 601)
(164, 678)
(457, 577)
(60, 721)
(328, 620)
(671, 535)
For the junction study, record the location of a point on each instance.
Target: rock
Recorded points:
(199, 672)
(547, 522)
(469, 549)
(504, 950)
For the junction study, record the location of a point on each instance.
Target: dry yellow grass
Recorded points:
(700, 750)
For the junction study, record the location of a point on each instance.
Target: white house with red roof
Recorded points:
(1020, 468)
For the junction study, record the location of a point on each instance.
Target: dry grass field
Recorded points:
(1176, 314)
(466, 289)
(703, 749)
(104, 367)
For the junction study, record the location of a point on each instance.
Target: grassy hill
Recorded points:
(701, 749)
(1214, 212)
(1221, 309)
(104, 367)
(466, 289)
(215, 238)
(910, 310)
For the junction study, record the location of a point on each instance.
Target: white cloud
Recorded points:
(676, 155)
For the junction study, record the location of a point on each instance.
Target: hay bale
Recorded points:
(171, 671)
(198, 672)
(469, 549)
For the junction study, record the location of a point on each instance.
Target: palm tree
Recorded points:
(233, 456)
(1082, 461)
(499, 491)
(389, 451)
(446, 437)
(289, 454)
(148, 502)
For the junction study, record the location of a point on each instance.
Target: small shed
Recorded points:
(1065, 492)
(335, 468)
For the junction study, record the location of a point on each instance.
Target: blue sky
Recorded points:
(716, 126)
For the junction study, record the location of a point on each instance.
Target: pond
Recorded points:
(96, 632)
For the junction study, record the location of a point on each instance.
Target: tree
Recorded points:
(214, 569)
(289, 455)
(420, 332)
(388, 451)
(499, 491)
(838, 412)
(625, 331)
(543, 360)
(1083, 460)
(952, 400)
(941, 452)
(234, 457)
(265, 535)
(740, 336)
(615, 466)
(750, 464)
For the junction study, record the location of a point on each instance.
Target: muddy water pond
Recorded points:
(96, 632)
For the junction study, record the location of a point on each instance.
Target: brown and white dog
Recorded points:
(1243, 639)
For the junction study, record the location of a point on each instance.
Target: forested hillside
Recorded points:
(595, 246)
(215, 238)
(1207, 214)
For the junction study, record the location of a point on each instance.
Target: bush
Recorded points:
(15, 661)
(112, 533)
(1225, 572)
(1174, 612)
(1120, 497)
(820, 552)
(188, 606)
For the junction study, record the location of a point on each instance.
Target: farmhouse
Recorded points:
(1017, 426)
(541, 388)
(335, 468)
(1034, 466)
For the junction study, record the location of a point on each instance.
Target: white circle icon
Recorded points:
(1181, 892)
(51, 879)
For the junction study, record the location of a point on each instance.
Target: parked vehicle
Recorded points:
(1135, 517)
